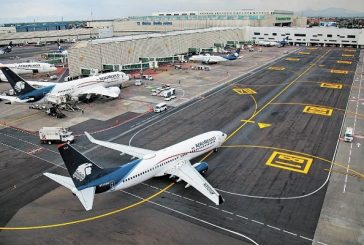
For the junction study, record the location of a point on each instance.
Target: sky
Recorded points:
(52, 10)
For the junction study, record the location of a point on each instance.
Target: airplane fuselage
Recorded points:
(29, 68)
(76, 87)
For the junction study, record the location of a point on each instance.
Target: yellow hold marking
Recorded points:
(344, 62)
(291, 162)
(331, 85)
(318, 110)
(244, 91)
(293, 59)
(347, 55)
(304, 52)
(339, 71)
(247, 121)
(277, 68)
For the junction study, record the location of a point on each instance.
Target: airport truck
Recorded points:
(168, 93)
(55, 135)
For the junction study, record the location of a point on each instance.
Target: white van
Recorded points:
(160, 107)
(147, 77)
(348, 137)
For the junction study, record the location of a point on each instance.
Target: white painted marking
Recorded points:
(358, 144)
(273, 227)
(192, 217)
(227, 212)
(255, 221)
(189, 199)
(201, 203)
(322, 243)
(311, 240)
(293, 234)
(242, 217)
(213, 207)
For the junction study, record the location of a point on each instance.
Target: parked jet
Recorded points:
(28, 68)
(7, 49)
(273, 43)
(213, 59)
(87, 178)
(105, 84)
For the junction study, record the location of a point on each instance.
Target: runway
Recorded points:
(283, 122)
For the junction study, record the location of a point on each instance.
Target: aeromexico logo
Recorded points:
(82, 171)
(19, 86)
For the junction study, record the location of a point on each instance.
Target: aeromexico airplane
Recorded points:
(213, 59)
(28, 68)
(87, 178)
(106, 84)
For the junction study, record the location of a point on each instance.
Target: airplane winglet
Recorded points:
(89, 137)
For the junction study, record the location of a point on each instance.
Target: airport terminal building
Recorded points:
(171, 21)
(129, 51)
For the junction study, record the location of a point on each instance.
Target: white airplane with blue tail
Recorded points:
(87, 178)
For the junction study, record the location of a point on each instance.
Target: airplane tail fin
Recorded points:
(82, 171)
(19, 85)
(80, 168)
(237, 51)
(10, 46)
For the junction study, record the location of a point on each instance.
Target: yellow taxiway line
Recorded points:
(90, 218)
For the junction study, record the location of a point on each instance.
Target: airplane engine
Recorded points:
(201, 167)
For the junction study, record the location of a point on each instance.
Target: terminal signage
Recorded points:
(154, 23)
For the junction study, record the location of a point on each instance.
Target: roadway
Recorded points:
(283, 122)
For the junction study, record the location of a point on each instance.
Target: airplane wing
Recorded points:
(100, 90)
(191, 176)
(130, 150)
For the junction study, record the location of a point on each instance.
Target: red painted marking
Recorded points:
(114, 126)
(60, 145)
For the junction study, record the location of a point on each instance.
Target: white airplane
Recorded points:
(213, 59)
(273, 43)
(106, 84)
(7, 49)
(28, 68)
(266, 43)
(87, 178)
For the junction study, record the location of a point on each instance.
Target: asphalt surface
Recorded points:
(30, 51)
(342, 216)
(272, 176)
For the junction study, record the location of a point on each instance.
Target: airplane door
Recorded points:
(112, 185)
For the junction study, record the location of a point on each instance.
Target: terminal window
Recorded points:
(274, 34)
(329, 35)
(256, 33)
(299, 35)
(351, 36)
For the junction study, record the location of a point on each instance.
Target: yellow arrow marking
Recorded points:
(264, 125)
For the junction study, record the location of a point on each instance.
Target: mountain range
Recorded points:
(330, 12)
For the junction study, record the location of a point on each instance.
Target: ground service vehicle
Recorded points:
(348, 137)
(55, 135)
(169, 92)
(160, 107)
